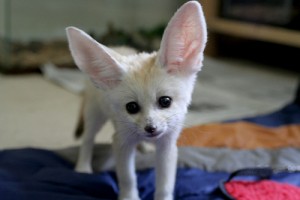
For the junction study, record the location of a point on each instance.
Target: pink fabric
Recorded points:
(262, 190)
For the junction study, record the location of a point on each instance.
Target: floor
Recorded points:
(37, 112)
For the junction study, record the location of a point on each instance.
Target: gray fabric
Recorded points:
(230, 160)
(210, 159)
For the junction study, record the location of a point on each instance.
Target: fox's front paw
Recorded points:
(84, 169)
(129, 198)
(163, 197)
(129, 195)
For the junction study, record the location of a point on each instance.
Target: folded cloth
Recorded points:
(274, 130)
(262, 190)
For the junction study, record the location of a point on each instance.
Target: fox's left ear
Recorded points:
(184, 40)
(96, 60)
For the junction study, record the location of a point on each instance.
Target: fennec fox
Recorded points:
(145, 95)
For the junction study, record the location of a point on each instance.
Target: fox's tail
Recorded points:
(80, 124)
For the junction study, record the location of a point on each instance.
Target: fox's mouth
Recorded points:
(154, 135)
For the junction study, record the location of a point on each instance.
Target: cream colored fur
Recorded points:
(143, 79)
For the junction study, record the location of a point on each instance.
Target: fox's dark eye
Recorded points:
(132, 107)
(164, 101)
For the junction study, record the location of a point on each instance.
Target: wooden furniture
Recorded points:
(246, 30)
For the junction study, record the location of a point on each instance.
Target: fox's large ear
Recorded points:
(184, 40)
(94, 59)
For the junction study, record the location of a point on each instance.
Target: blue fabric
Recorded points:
(39, 174)
(35, 174)
(289, 114)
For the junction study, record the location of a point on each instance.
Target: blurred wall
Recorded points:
(45, 19)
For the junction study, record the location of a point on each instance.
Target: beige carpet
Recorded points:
(36, 113)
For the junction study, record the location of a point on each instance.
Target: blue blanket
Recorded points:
(39, 174)
(36, 174)
(289, 114)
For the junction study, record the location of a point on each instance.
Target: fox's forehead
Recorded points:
(141, 68)
(134, 63)
(145, 80)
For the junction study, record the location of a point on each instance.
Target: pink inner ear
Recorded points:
(103, 69)
(184, 39)
(94, 59)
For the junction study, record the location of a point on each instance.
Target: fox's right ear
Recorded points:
(94, 59)
(184, 40)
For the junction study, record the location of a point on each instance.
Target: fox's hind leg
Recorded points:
(93, 120)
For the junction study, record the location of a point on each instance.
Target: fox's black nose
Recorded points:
(150, 128)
